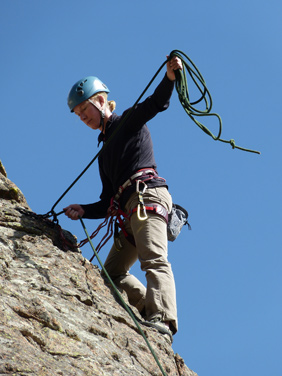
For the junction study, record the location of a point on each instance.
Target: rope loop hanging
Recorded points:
(181, 85)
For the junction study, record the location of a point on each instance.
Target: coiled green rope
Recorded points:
(181, 85)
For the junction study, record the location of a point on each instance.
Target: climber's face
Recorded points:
(89, 112)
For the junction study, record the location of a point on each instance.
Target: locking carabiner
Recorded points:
(141, 205)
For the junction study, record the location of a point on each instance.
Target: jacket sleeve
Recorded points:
(96, 210)
(99, 209)
(157, 102)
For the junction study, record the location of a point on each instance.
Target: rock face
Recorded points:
(57, 315)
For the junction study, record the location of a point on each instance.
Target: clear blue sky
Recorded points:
(228, 268)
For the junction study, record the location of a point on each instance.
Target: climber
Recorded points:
(129, 158)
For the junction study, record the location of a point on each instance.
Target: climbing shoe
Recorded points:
(161, 327)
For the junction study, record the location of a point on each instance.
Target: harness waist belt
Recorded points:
(145, 173)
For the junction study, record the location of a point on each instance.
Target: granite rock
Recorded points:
(57, 315)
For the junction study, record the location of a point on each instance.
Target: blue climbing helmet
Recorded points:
(84, 89)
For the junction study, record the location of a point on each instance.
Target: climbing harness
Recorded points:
(115, 215)
(175, 220)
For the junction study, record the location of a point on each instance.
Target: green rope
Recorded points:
(181, 86)
(121, 299)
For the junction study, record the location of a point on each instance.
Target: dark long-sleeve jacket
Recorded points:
(130, 149)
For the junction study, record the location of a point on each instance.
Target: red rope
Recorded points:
(113, 211)
(103, 224)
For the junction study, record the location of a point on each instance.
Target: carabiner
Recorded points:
(138, 187)
(140, 200)
(144, 212)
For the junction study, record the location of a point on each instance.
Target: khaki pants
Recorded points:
(159, 298)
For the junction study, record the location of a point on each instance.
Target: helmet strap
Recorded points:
(102, 113)
(102, 123)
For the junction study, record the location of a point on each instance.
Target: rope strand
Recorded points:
(181, 86)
